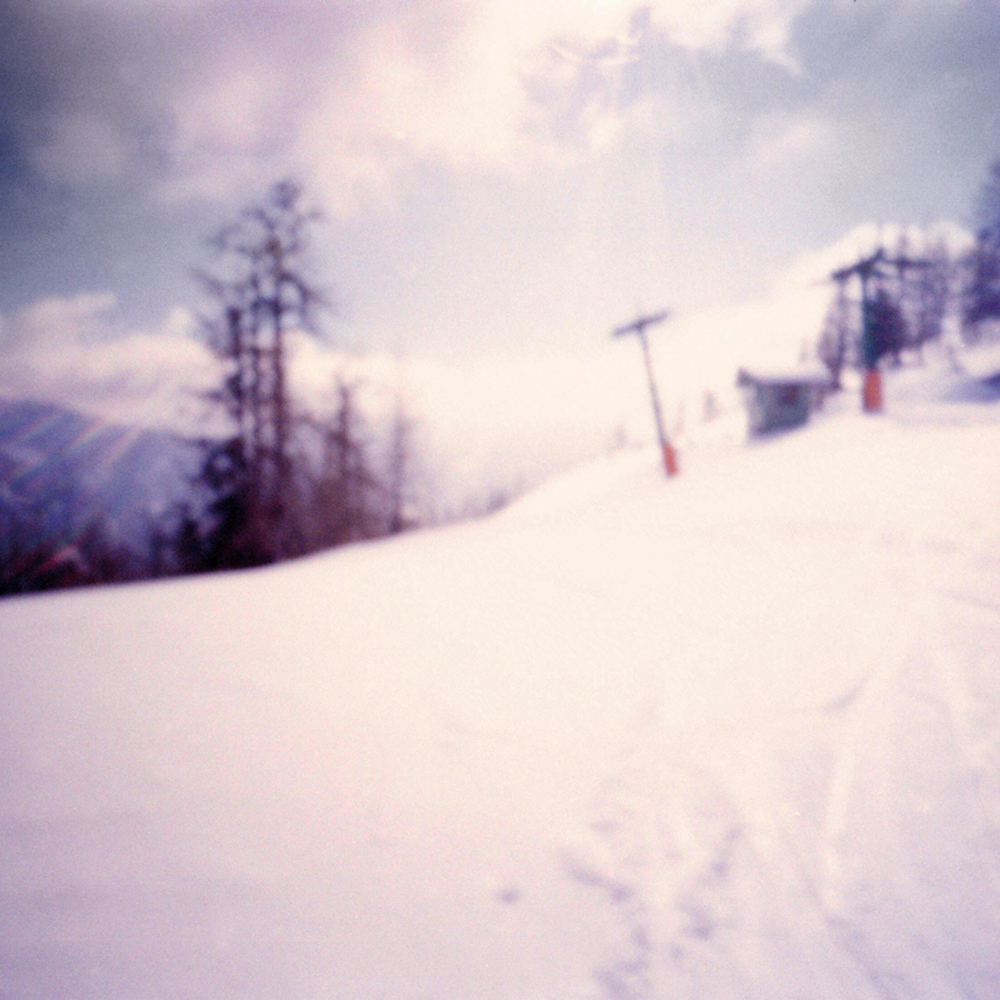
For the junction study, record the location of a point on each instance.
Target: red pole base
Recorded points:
(670, 460)
(872, 395)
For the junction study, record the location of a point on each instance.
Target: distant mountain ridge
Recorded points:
(63, 470)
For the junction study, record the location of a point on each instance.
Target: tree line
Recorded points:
(275, 480)
(283, 481)
(914, 292)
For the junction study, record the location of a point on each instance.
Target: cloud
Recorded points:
(763, 26)
(72, 351)
(511, 86)
(784, 141)
(209, 99)
(48, 323)
(204, 97)
(679, 152)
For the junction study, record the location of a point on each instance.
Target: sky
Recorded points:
(503, 183)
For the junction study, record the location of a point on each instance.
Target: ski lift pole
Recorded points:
(638, 327)
(868, 269)
(871, 393)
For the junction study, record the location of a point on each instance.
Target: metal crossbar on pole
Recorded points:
(638, 327)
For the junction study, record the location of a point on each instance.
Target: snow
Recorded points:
(732, 735)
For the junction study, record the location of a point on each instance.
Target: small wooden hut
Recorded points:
(780, 400)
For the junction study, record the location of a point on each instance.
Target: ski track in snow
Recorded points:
(731, 736)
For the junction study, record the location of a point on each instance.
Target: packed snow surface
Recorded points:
(732, 735)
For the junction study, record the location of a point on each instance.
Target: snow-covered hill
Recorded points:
(735, 735)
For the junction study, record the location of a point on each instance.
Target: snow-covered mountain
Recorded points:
(63, 470)
(733, 735)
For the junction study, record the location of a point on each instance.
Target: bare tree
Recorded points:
(930, 294)
(398, 474)
(834, 340)
(921, 289)
(262, 294)
(346, 485)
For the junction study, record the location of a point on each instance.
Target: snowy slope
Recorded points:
(733, 735)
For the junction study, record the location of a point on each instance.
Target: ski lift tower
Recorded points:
(867, 269)
(638, 327)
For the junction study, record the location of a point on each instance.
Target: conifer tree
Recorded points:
(981, 292)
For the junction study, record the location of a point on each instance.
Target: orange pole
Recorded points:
(670, 460)
(872, 394)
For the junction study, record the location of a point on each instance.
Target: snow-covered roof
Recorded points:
(800, 375)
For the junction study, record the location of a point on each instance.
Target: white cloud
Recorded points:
(490, 85)
(351, 95)
(71, 351)
(763, 24)
(783, 141)
(527, 82)
(232, 122)
(48, 322)
(223, 98)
